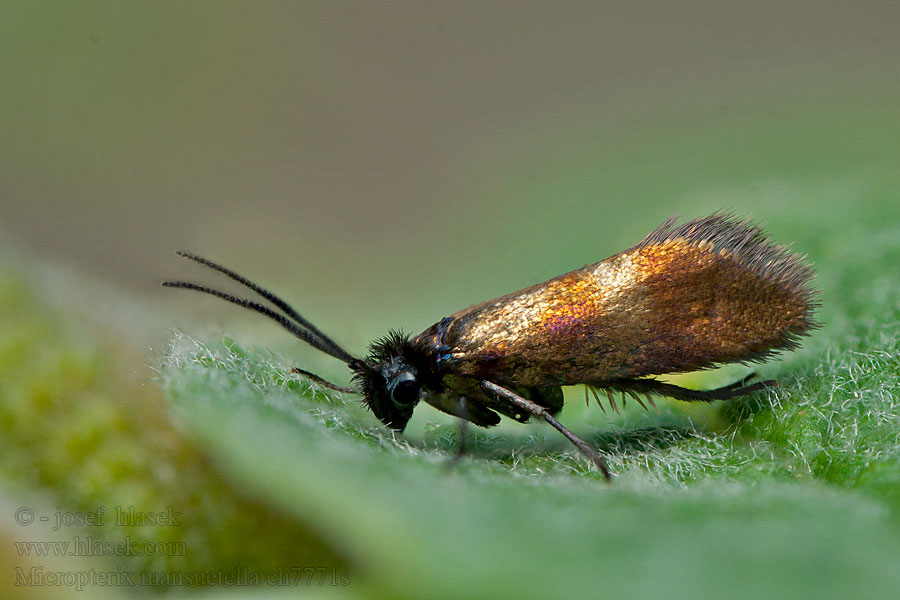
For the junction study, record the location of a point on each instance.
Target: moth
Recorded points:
(711, 291)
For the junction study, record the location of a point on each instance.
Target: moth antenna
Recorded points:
(596, 397)
(288, 310)
(650, 401)
(587, 402)
(303, 334)
(323, 382)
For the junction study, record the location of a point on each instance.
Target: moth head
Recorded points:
(390, 380)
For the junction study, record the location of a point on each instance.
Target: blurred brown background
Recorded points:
(384, 164)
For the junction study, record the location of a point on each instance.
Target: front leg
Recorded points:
(464, 417)
(542, 413)
(323, 382)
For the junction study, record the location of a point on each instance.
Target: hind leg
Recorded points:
(645, 386)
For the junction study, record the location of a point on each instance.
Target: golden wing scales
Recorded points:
(711, 291)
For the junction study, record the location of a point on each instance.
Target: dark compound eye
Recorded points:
(406, 392)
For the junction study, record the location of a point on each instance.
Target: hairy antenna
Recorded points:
(284, 306)
(263, 310)
(301, 327)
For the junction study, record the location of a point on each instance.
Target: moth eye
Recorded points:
(406, 392)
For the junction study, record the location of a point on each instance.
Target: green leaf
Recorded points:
(765, 507)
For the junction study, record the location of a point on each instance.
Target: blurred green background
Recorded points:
(381, 165)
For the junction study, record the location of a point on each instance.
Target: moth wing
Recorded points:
(710, 291)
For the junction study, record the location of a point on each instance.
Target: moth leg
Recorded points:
(542, 413)
(323, 382)
(463, 412)
(642, 386)
(739, 383)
